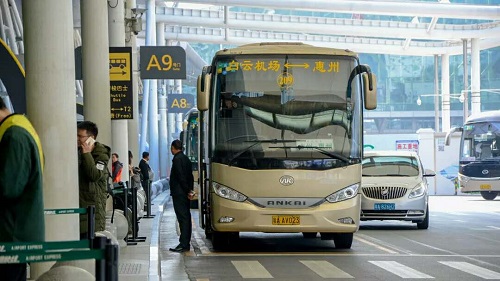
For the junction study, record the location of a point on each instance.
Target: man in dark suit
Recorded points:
(145, 170)
(181, 189)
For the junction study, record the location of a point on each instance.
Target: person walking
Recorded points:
(93, 174)
(21, 191)
(181, 189)
(116, 168)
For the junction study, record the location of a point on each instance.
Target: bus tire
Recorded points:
(489, 195)
(343, 240)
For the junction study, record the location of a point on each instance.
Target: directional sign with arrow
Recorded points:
(120, 80)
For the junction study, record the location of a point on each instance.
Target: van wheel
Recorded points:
(489, 195)
(343, 240)
(310, 235)
(425, 223)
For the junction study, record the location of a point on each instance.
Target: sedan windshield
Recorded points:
(390, 166)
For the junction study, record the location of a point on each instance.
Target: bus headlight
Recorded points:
(343, 194)
(228, 193)
(417, 191)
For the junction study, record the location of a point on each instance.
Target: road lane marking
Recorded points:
(325, 269)
(375, 245)
(251, 269)
(494, 227)
(473, 269)
(401, 270)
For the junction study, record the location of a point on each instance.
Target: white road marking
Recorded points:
(325, 269)
(375, 245)
(401, 270)
(473, 269)
(251, 269)
(494, 227)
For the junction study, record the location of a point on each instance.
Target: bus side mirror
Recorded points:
(448, 135)
(370, 90)
(203, 91)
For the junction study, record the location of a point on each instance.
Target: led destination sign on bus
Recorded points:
(274, 65)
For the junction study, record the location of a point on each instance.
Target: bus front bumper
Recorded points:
(340, 217)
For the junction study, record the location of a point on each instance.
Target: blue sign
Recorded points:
(179, 103)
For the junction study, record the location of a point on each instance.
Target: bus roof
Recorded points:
(284, 47)
(487, 116)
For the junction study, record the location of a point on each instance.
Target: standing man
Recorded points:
(181, 190)
(93, 174)
(21, 191)
(116, 168)
(145, 172)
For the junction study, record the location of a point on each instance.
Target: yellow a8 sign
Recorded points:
(179, 103)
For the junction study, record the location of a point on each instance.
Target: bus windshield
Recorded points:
(287, 112)
(481, 141)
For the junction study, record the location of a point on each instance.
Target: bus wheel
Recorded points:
(309, 235)
(489, 195)
(223, 240)
(343, 240)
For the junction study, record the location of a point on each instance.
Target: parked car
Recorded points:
(394, 187)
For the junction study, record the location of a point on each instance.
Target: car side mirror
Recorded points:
(429, 173)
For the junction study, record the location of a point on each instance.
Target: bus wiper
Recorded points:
(255, 142)
(320, 149)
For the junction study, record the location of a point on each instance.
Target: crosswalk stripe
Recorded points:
(251, 269)
(472, 269)
(325, 269)
(401, 270)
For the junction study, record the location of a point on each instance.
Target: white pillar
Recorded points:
(170, 119)
(119, 129)
(133, 124)
(154, 160)
(162, 108)
(50, 88)
(445, 91)
(178, 117)
(427, 153)
(475, 76)
(436, 93)
(95, 66)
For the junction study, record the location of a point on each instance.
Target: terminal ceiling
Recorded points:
(419, 28)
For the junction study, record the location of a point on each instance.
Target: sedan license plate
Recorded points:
(385, 206)
(286, 220)
(485, 186)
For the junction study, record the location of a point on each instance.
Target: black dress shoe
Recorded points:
(179, 249)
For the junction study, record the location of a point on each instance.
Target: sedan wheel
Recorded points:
(425, 223)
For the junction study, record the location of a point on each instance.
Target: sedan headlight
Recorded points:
(228, 193)
(418, 191)
(343, 194)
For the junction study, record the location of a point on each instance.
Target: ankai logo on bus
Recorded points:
(286, 180)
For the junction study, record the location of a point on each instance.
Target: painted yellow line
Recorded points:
(375, 245)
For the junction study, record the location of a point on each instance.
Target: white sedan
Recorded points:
(394, 187)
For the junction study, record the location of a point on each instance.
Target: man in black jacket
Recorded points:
(181, 188)
(145, 171)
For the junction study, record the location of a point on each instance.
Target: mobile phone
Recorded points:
(90, 141)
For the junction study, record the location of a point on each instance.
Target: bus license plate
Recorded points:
(286, 220)
(385, 206)
(485, 186)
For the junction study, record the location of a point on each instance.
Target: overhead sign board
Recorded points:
(163, 62)
(120, 81)
(179, 103)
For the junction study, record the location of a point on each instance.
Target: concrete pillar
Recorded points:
(427, 153)
(178, 117)
(475, 76)
(170, 120)
(50, 96)
(154, 161)
(436, 93)
(162, 108)
(466, 79)
(95, 66)
(119, 129)
(445, 92)
(133, 124)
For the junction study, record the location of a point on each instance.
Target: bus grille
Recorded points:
(384, 192)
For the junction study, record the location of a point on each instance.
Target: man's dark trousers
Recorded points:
(182, 211)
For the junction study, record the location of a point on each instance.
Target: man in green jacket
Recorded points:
(21, 191)
(93, 175)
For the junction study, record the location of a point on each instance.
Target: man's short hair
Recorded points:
(89, 126)
(177, 144)
(145, 154)
(2, 104)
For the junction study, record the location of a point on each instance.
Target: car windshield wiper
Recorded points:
(321, 150)
(255, 142)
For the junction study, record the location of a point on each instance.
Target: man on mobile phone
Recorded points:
(93, 158)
